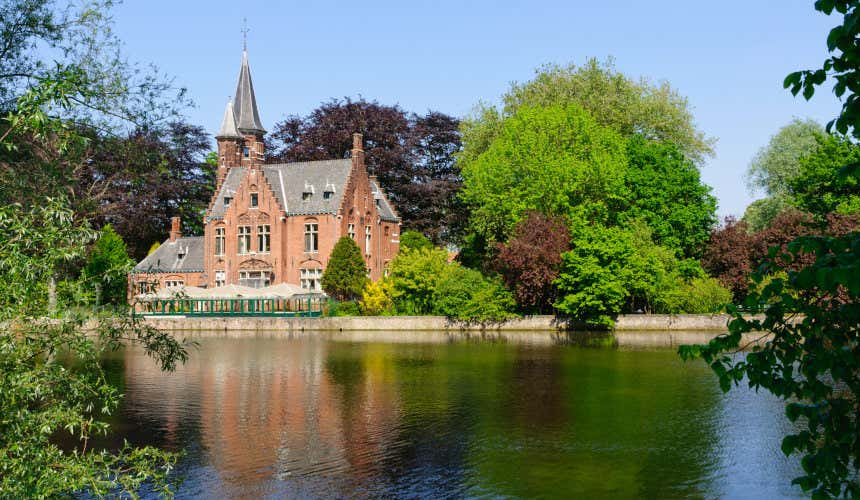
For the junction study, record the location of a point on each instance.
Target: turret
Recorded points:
(240, 138)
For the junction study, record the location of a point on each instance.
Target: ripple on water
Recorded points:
(312, 418)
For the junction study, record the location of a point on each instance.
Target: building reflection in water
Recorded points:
(310, 417)
(268, 410)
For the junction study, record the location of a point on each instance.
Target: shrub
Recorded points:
(414, 274)
(346, 274)
(698, 296)
(376, 298)
(108, 266)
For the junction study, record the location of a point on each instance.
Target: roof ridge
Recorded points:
(285, 164)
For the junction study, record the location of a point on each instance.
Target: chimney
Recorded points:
(357, 151)
(175, 222)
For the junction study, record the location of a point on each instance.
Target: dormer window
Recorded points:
(307, 192)
(306, 196)
(227, 200)
(254, 200)
(327, 195)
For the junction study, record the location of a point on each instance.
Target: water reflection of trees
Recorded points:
(310, 417)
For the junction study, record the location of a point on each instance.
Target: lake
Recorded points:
(320, 417)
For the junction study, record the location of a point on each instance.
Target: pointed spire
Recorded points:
(245, 102)
(228, 124)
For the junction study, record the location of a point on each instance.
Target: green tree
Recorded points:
(819, 188)
(50, 369)
(108, 266)
(413, 240)
(813, 309)
(774, 167)
(51, 373)
(346, 274)
(761, 213)
(555, 160)
(666, 191)
(658, 112)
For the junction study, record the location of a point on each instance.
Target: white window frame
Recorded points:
(255, 279)
(350, 230)
(368, 231)
(220, 278)
(264, 238)
(220, 240)
(311, 279)
(312, 237)
(244, 240)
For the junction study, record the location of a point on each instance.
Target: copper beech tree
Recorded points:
(529, 262)
(413, 156)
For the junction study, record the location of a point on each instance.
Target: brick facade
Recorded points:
(257, 233)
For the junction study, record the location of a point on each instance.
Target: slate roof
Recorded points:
(185, 255)
(228, 189)
(245, 102)
(290, 181)
(314, 177)
(386, 212)
(228, 125)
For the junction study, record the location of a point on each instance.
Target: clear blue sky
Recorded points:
(729, 57)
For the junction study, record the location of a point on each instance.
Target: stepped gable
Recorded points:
(386, 211)
(228, 189)
(185, 255)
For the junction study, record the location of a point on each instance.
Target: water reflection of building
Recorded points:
(270, 409)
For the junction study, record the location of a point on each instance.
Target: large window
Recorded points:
(367, 240)
(312, 239)
(244, 239)
(263, 239)
(312, 279)
(220, 278)
(219, 241)
(255, 279)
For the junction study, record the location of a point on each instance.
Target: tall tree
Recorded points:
(45, 109)
(775, 166)
(412, 155)
(556, 160)
(819, 188)
(657, 112)
(811, 363)
(666, 191)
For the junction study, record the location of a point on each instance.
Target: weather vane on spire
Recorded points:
(244, 31)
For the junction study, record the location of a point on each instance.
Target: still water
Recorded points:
(312, 417)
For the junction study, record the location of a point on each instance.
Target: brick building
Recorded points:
(273, 223)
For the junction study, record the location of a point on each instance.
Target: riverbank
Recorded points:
(633, 322)
(630, 331)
